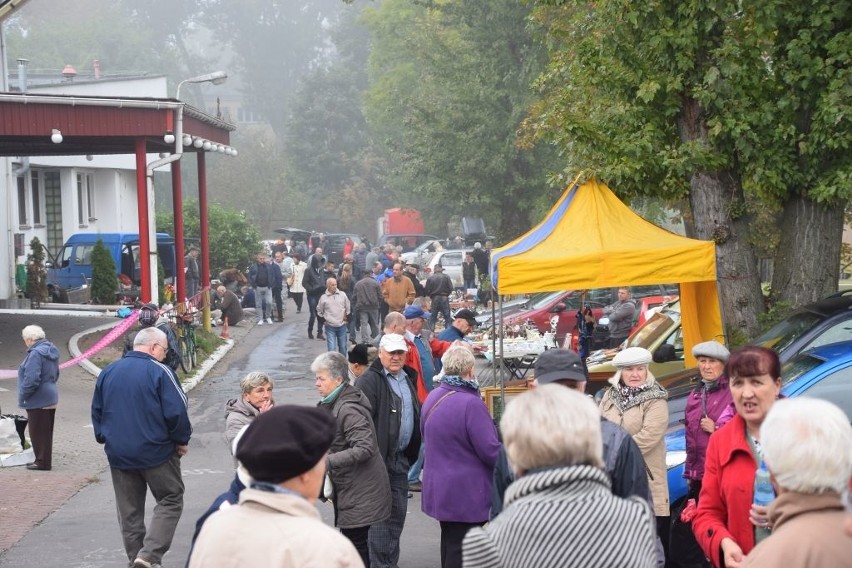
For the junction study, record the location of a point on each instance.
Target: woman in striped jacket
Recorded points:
(560, 511)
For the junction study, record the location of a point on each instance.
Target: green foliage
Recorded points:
(450, 85)
(233, 239)
(776, 312)
(104, 279)
(36, 272)
(161, 280)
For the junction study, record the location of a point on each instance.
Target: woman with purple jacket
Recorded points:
(461, 450)
(704, 414)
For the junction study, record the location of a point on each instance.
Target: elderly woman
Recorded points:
(362, 494)
(807, 446)
(560, 511)
(256, 398)
(461, 450)
(705, 413)
(38, 394)
(297, 291)
(726, 524)
(637, 403)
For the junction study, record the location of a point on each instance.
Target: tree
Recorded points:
(233, 240)
(36, 273)
(450, 85)
(104, 279)
(738, 106)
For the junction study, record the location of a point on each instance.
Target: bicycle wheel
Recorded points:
(187, 355)
(192, 348)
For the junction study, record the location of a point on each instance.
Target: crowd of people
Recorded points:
(560, 480)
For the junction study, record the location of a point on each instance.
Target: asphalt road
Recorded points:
(83, 532)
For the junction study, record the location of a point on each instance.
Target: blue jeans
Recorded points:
(263, 302)
(469, 284)
(335, 338)
(417, 467)
(384, 536)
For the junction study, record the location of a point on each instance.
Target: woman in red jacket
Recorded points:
(726, 524)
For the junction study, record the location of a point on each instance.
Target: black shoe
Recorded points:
(320, 336)
(310, 335)
(415, 486)
(37, 467)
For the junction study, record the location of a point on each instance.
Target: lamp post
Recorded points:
(217, 78)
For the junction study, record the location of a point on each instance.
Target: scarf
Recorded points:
(330, 397)
(625, 397)
(457, 381)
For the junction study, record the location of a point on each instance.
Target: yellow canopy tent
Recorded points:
(590, 239)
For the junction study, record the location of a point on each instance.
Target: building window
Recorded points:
(35, 190)
(23, 220)
(85, 199)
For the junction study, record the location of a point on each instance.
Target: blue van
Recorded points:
(72, 266)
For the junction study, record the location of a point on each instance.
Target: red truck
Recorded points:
(404, 227)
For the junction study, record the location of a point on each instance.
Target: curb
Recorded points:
(187, 385)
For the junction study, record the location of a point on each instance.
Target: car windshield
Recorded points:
(654, 328)
(787, 331)
(545, 299)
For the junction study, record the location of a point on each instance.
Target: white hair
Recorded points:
(551, 425)
(457, 361)
(32, 333)
(807, 445)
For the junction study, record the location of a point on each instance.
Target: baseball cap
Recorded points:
(557, 365)
(414, 312)
(393, 342)
(466, 314)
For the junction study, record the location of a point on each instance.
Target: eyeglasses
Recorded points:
(161, 346)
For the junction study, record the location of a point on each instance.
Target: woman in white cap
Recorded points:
(704, 414)
(637, 403)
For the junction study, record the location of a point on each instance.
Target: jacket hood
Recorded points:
(46, 349)
(240, 406)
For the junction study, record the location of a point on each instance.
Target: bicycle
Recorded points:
(186, 340)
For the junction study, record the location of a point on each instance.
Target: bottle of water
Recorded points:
(763, 491)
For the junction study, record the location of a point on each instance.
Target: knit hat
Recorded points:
(285, 441)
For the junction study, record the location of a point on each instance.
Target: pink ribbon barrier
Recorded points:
(114, 334)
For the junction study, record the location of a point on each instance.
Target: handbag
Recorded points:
(11, 440)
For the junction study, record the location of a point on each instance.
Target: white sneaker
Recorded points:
(268, 320)
(260, 322)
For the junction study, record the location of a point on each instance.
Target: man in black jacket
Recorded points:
(389, 386)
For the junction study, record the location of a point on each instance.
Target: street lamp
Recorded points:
(216, 77)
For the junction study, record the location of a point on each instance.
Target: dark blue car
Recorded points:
(823, 372)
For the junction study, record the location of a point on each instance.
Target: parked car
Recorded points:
(823, 372)
(422, 252)
(408, 242)
(820, 323)
(451, 260)
(661, 334)
(299, 235)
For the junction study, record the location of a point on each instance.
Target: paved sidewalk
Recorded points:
(28, 497)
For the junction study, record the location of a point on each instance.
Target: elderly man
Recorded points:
(229, 307)
(395, 409)
(620, 316)
(398, 291)
(333, 308)
(561, 492)
(807, 446)
(139, 412)
(192, 276)
(463, 323)
(276, 523)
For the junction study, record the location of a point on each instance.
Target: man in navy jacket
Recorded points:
(139, 412)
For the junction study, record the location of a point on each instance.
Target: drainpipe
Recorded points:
(152, 221)
(7, 173)
(22, 87)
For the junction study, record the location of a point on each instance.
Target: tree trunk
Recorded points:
(807, 262)
(713, 196)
